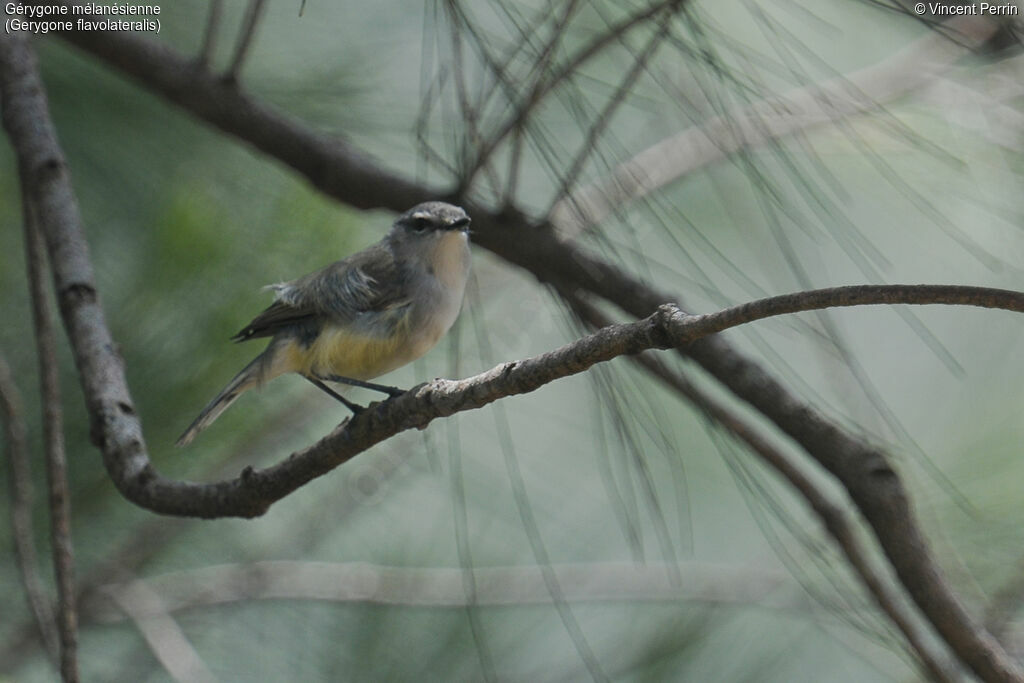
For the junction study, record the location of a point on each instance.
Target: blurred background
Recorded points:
(610, 521)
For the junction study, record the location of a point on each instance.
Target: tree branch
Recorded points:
(161, 632)
(20, 486)
(443, 586)
(210, 34)
(59, 496)
(252, 19)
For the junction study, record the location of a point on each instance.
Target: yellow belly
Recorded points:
(341, 352)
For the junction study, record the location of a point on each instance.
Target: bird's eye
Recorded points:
(421, 224)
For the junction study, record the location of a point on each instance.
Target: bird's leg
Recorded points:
(354, 407)
(384, 389)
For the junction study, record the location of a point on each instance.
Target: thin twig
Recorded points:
(161, 632)
(210, 34)
(762, 122)
(856, 295)
(521, 499)
(443, 586)
(543, 86)
(252, 18)
(834, 514)
(20, 486)
(59, 494)
(468, 112)
(615, 100)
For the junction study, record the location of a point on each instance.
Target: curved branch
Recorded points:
(855, 295)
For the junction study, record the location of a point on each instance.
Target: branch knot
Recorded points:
(668, 326)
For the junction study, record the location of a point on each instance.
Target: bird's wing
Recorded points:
(368, 281)
(274, 318)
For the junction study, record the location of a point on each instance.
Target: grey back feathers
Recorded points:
(373, 280)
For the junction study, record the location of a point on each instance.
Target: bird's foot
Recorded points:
(383, 388)
(351, 405)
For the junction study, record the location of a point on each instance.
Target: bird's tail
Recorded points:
(250, 377)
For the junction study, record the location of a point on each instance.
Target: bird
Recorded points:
(363, 316)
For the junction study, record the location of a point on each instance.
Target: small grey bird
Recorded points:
(363, 316)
